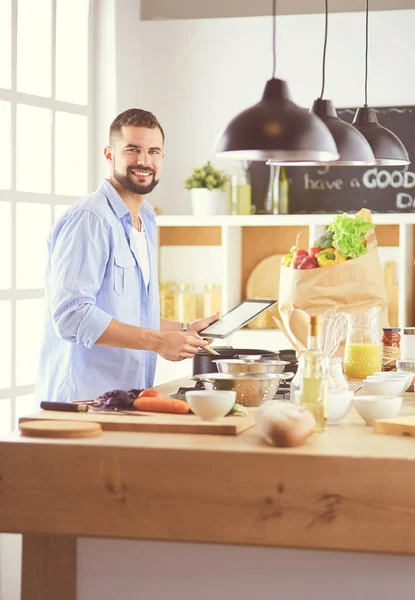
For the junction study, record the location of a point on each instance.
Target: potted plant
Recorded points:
(207, 189)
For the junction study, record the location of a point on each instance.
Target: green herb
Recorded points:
(349, 232)
(206, 177)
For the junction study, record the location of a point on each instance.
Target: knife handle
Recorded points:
(64, 406)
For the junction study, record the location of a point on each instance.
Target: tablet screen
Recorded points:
(236, 318)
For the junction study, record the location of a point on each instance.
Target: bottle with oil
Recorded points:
(240, 200)
(278, 191)
(313, 383)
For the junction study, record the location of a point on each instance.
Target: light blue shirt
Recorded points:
(93, 275)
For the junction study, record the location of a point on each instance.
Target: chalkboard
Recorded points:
(348, 189)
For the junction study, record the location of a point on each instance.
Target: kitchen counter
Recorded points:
(345, 489)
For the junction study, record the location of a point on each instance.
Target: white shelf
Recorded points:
(274, 220)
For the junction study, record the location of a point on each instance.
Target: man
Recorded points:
(103, 328)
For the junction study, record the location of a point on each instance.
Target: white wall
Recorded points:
(198, 74)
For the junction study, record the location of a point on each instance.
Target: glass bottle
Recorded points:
(313, 379)
(241, 196)
(187, 303)
(336, 378)
(362, 354)
(278, 191)
(211, 299)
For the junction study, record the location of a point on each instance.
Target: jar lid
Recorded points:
(391, 329)
(406, 364)
(409, 330)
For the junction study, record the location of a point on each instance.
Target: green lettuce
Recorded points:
(349, 232)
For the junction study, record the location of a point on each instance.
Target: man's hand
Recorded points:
(201, 324)
(177, 345)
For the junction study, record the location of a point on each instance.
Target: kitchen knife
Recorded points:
(64, 406)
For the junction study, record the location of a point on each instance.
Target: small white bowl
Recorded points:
(211, 404)
(338, 405)
(377, 407)
(385, 387)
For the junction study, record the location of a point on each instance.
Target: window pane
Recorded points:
(33, 149)
(34, 47)
(29, 329)
(71, 154)
(5, 416)
(72, 49)
(6, 144)
(60, 209)
(5, 246)
(5, 344)
(25, 405)
(33, 222)
(5, 43)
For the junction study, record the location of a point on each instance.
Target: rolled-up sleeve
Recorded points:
(80, 250)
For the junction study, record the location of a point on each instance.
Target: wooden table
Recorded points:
(346, 489)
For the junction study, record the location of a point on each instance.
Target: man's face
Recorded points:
(136, 157)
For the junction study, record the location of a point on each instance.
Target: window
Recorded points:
(44, 132)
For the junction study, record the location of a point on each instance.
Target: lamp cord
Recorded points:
(367, 48)
(274, 40)
(325, 49)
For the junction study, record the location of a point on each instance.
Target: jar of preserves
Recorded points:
(211, 299)
(167, 292)
(391, 351)
(187, 303)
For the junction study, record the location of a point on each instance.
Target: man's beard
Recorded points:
(129, 185)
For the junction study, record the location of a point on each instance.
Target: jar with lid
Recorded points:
(408, 344)
(187, 303)
(407, 366)
(211, 299)
(391, 351)
(362, 355)
(167, 292)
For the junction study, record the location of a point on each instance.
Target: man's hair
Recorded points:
(135, 117)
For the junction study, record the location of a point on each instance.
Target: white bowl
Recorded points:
(211, 404)
(338, 405)
(385, 387)
(377, 407)
(393, 376)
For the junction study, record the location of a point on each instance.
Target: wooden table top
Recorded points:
(347, 488)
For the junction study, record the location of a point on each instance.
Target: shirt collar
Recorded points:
(119, 206)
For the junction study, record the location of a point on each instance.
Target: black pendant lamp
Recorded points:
(353, 148)
(276, 128)
(387, 147)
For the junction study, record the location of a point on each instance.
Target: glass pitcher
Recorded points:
(362, 355)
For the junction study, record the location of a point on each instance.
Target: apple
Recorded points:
(310, 262)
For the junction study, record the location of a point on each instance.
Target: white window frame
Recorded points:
(13, 196)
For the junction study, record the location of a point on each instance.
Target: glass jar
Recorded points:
(408, 344)
(211, 299)
(362, 355)
(391, 351)
(295, 395)
(187, 303)
(335, 375)
(407, 366)
(167, 292)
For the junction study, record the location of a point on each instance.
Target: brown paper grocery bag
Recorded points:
(351, 287)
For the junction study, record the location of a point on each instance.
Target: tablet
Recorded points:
(236, 318)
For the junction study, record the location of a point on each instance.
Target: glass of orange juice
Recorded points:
(362, 355)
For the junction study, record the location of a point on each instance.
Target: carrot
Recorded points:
(151, 393)
(166, 405)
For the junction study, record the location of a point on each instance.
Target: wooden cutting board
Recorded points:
(264, 279)
(397, 426)
(59, 429)
(150, 422)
